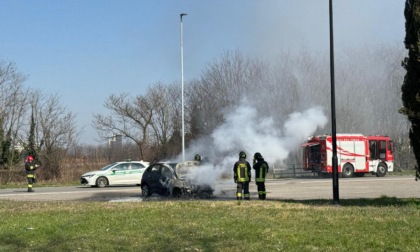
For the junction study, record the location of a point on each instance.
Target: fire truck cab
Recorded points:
(356, 155)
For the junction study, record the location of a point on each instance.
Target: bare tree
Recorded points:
(165, 120)
(13, 105)
(158, 95)
(152, 120)
(130, 117)
(56, 128)
(224, 83)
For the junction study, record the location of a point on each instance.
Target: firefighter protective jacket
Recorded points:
(242, 171)
(261, 169)
(30, 167)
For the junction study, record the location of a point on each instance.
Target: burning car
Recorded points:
(173, 179)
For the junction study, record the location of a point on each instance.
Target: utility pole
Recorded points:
(182, 91)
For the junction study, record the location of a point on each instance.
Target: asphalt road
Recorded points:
(281, 189)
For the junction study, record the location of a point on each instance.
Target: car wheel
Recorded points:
(101, 182)
(145, 191)
(177, 193)
(381, 170)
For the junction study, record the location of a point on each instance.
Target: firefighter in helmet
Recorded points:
(201, 160)
(242, 177)
(261, 169)
(197, 157)
(30, 166)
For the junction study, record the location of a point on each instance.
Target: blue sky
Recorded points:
(86, 50)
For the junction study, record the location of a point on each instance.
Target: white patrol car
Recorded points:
(118, 173)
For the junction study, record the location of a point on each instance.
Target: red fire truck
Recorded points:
(356, 154)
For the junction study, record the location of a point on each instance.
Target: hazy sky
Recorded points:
(86, 50)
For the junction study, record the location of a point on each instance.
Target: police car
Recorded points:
(118, 173)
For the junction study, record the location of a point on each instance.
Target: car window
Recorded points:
(121, 167)
(136, 166)
(173, 165)
(156, 168)
(166, 172)
(107, 167)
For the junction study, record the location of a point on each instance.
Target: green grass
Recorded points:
(384, 224)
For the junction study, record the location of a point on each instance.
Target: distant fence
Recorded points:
(290, 171)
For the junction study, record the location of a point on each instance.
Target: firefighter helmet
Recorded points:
(258, 155)
(29, 159)
(197, 157)
(242, 154)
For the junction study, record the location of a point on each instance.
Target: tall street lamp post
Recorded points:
(333, 120)
(182, 91)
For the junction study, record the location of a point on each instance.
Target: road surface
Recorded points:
(280, 189)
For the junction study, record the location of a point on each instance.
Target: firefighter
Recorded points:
(201, 160)
(261, 169)
(242, 177)
(30, 167)
(197, 157)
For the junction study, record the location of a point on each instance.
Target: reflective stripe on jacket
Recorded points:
(242, 171)
(31, 167)
(261, 169)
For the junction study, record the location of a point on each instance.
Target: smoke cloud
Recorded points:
(244, 130)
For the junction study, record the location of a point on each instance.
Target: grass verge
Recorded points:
(384, 224)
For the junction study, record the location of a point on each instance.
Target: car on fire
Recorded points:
(118, 173)
(174, 179)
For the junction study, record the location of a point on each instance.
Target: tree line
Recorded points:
(368, 97)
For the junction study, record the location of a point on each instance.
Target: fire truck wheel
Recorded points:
(347, 171)
(381, 170)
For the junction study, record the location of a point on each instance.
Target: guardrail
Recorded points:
(293, 171)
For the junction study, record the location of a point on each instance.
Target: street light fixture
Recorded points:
(182, 90)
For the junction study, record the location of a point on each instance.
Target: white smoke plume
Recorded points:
(244, 130)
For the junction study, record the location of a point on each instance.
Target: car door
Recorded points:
(136, 173)
(167, 175)
(152, 177)
(119, 174)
